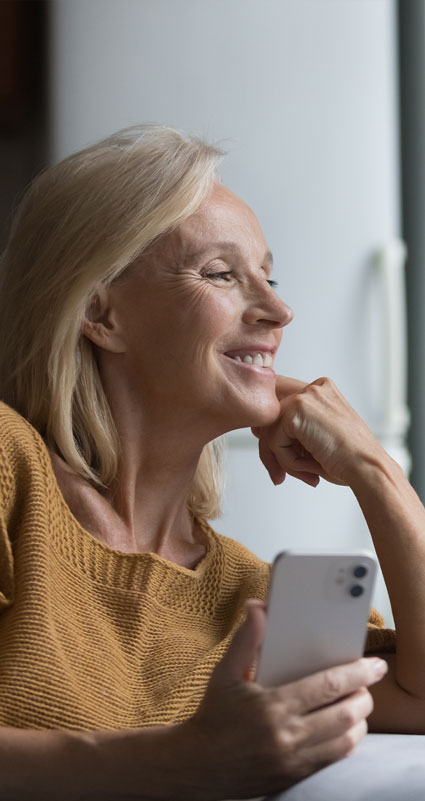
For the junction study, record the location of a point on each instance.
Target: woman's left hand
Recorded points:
(317, 433)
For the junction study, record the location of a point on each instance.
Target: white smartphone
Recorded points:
(317, 613)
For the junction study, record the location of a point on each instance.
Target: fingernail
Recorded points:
(380, 667)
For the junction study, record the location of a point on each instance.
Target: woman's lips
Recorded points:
(254, 361)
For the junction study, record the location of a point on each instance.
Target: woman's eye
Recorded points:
(224, 275)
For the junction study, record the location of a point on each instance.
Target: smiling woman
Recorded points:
(138, 323)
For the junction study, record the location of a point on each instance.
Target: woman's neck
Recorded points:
(160, 447)
(145, 507)
(175, 537)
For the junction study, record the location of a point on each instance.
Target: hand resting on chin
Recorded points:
(317, 434)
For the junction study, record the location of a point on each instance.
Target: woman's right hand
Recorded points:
(246, 740)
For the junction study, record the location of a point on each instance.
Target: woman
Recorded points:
(138, 323)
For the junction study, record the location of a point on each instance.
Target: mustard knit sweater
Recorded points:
(92, 638)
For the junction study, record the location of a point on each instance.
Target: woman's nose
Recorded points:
(268, 309)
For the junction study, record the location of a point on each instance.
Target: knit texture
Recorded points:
(92, 638)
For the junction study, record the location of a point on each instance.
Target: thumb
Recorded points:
(243, 651)
(288, 386)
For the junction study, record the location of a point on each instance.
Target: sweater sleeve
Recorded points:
(7, 492)
(378, 637)
(6, 567)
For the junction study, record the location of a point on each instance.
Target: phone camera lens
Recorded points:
(356, 590)
(360, 571)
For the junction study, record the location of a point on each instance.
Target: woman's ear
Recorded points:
(100, 323)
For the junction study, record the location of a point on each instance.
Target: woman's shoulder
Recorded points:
(15, 430)
(21, 449)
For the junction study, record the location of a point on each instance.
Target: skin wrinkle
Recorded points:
(191, 257)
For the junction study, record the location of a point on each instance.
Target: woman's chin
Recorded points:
(258, 415)
(266, 419)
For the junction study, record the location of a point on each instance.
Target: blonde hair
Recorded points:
(81, 223)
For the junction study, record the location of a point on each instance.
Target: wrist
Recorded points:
(374, 472)
(149, 764)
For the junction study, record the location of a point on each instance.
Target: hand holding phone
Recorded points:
(257, 740)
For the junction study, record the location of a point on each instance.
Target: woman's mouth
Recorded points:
(258, 361)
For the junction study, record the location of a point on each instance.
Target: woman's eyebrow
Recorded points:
(192, 256)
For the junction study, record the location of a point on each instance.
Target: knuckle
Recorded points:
(280, 750)
(291, 757)
(348, 742)
(270, 721)
(290, 708)
(321, 383)
(280, 699)
(352, 737)
(286, 742)
(366, 701)
(348, 716)
(332, 684)
(267, 720)
(297, 406)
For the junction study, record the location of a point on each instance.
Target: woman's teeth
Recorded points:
(258, 359)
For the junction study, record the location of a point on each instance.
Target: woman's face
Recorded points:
(199, 322)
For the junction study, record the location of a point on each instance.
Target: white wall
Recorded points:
(304, 95)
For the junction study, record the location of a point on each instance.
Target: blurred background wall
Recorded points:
(24, 148)
(304, 94)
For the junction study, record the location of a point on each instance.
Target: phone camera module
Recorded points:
(356, 590)
(360, 571)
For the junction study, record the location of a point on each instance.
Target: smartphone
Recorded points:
(317, 613)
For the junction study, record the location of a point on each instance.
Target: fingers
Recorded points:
(288, 386)
(308, 478)
(276, 472)
(288, 458)
(333, 721)
(287, 461)
(330, 751)
(328, 686)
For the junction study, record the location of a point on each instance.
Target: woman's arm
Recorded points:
(394, 708)
(142, 764)
(396, 520)
(319, 434)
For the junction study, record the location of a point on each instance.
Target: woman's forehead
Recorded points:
(221, 207)
(224, 225)
(223, 222)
